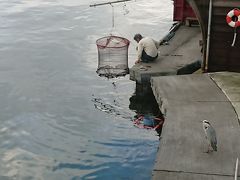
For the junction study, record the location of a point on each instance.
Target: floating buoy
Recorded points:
(233, 18)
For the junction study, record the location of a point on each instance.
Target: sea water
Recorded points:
(58, 119)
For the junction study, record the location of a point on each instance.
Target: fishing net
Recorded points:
(112, 56)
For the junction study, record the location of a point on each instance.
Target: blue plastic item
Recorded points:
(148, 121)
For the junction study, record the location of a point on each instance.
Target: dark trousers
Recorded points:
(146, 58)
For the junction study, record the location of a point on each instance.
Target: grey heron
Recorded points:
(211, 136)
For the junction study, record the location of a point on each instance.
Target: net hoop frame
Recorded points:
(126, 41)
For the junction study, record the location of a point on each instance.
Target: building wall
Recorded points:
(222, 56)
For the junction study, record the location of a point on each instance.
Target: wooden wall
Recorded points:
(222, 56)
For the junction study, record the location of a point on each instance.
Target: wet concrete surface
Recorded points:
(182, 55)
(187, 100)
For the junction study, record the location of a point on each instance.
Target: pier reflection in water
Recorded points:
(144, 103)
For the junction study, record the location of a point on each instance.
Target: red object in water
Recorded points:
(182, 10)
(139, 122)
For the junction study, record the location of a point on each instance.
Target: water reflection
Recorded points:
(143, 101)
(146, 107)
(105, 107)
(58, 119)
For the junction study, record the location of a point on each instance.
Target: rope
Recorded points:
(234, 37)
(112, 17)
(113, 30)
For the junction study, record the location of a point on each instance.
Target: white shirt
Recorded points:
(149, 45)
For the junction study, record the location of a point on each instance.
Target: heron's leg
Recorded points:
(208, 146)
(208, 150)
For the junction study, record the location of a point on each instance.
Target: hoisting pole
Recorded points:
(208, 35)
(111, 2)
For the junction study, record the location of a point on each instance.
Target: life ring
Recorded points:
(230, 15)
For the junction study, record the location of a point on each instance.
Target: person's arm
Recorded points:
(139, 53)
(157, 43)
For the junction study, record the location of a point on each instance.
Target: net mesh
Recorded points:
(112, 56)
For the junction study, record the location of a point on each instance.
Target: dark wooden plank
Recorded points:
(224, 68)
(226, 3)
(222, 28)
(221, 11)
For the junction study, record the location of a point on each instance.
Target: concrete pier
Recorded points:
(229, 82)
(187, 100)
(182, 56)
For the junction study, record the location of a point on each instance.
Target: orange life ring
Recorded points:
(229, 18)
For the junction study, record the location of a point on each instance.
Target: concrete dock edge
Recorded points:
(186, 100)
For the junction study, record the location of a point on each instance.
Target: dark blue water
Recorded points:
(58, 119)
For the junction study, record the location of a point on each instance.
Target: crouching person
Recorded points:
(147, 50)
